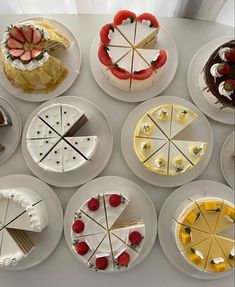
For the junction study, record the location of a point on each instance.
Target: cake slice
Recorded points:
(54, 159)
(228, 247)
(117, 53)
(5, 119)
(146, 31)
(72, 120)
(38, 129)
(145, 148)
(51, 115)
(162, 116)
(197, 255)
(178, 163)
(216, 261)
(110, 36)
(226, 218)
(4, 202)
(181, 118)
(146, 128)
(192, 150)
(39, 148)
(158, 162)
(22, 240)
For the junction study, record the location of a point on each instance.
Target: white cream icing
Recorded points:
(222, 53)
(232, 252)
(224, 92)
(198, 253)
(11, 259)
(126, 21)
(214, 70)
(146, 22)
(110, 34)
(218, 260)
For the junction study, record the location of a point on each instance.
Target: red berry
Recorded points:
(148, 16)
(124, 259)
(16, 33)
(28, 33)
(104, 56)
(229, 85)
(223, 69)
(78, 226)
(142, 75)
(123, 15)
(82, 248)
(120, 73)
(135, 237)
(93, 204)
(230, 55)
(101, 263)
(115, 200)
(37, 36)
(161, 60)
(36, 52)
(26, 56)
(14, 44)
(104, 32)
(16, 53)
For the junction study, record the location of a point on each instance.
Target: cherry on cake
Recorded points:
(202, 228)
(158, 143)
(217, 78)
(26, 56)
(52, 142)
(126, 51)
(100, 236)
(22, 212)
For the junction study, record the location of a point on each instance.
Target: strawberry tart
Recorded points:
(158, 144)
(52, 142)
(101, 238)
(26, 56)
(126, 51)
(217, 79)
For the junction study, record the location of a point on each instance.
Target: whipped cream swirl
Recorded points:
(222, 53)
(214, 70)
(224, 92)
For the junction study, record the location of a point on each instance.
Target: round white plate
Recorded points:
(97, 125)
(199, 130)
(166, 238)
(195, 68)
(141, 207)
(10, 136)
(47, 240)
(165, 41)
(70, 57)
(227, 160)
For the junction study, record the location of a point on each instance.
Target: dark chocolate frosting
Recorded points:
(210, 80)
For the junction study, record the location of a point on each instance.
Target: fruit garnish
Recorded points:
(104, 56)
(115, 200)
(16, 53)
(78, 226)
(135, 238)
(120, 73)
(28, 33)
(152, 21)
(93, 204)
(229, 85)
(16, 34)
(124, 259)
(82, 248)
(14, 44)
(188, 230)
(101, 263)
(223, 69)
(36, 52)
(123, 15)
(230, 55)
(26, 57)
(105, 33)
(37, 36)
(142, 74)
(160, 61)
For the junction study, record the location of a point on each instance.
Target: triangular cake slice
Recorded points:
(148, 55)
(226, 218)
(146, 128)
(118, 40)
(181, 118)
(144, 147)
(117, 53)
(197, 255)
(51, 115)
(216, 261)
(192, 150)
(72, 120)
(210, 208)
(188, 236)
(38, 129)
(54, 159)
(158, 162)
(139, 63)
(162, 116)
(228, 247)
(128, 31)
(178, 163)
(39, 148)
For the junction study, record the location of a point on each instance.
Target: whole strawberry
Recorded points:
(230, 55)
(115, 200)
(223, 69)
(124, 259)
(78, 226)
(82, 248)
(135, 238)
(229, 85)
(101, 263)
(93, 204)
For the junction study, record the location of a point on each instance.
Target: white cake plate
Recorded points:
(199, 130)
(166, 237)
(97, 125)
(47, 240)
(10, 136)
(195, 68)
(70, 57)
(227, 160)
(165, 41)
(140, 206)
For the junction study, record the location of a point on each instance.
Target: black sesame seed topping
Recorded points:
(47, 116)
(65, 112)
(74, 157)
(49, 132)
(40, 153)
(38, 132)
(57, 123)
(65, 147)
(57, 162)
(68, 124)
(47, 141)
(55, 151)
(76, 142)
(88, 139)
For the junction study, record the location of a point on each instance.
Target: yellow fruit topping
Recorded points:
(147, 129)
(182, 115)
(195, 257)
(210, 205)
(160, 162)
(185, 238)
(192, 217)
(219, 267)
(146, 146)
(230, 212)
(179, 165)
(163, 115)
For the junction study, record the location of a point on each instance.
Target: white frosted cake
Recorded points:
(21, 210)
(101, 238)
(203, 228)
(52, 141)
(124, 51)
(158, 142)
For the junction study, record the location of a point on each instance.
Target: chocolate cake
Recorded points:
(217, 79)
(5, 119)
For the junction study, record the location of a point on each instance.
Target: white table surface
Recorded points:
(61, 268)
